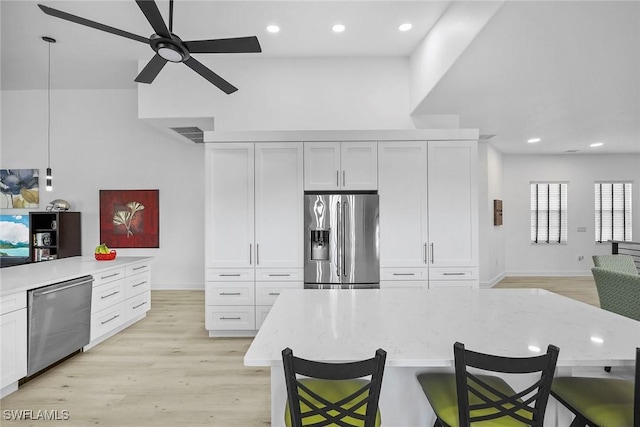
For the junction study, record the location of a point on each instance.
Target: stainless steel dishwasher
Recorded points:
(59, 320)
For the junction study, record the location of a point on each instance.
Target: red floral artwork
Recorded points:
(129, 218)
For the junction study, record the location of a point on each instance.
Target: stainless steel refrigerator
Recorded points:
(342, 241)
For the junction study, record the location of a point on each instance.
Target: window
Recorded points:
(613, 211)
(548, 212)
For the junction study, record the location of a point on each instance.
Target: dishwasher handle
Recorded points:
(45, 290)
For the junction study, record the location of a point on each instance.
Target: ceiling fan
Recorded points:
(167, 46)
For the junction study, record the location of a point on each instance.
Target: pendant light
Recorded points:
(49, 186)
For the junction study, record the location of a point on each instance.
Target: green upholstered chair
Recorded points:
(621, 263)
(469, 396)
(618, 292)
(602, 402)
(333, 394)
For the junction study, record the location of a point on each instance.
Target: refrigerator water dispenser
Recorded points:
(319, 245)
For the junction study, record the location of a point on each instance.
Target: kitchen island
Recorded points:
(418, 328)
(120, 297)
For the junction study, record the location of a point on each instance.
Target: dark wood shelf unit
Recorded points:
(66, 237)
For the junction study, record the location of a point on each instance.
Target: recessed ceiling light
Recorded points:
(273, 28)
(597, 144)
(338, 28)
(534, 348)
(597, 340)
(533, 140)
(405, 27)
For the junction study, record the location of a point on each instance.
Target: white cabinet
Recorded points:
(340, 166)
(13, 350)
(402, 186)
(253, 228)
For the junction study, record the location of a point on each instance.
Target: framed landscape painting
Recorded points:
(129, 218)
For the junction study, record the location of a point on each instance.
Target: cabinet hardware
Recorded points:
(138, 284)
(453, 274)
(432, 253)
(425, 253)
(230, 275)
(337, 178)
(229, 293)
(274, 293)
(110, 295)
(279, 275)
(139, 305)
(113, 318)
(250, 253)
(60, 289)
(257, 254)
(138, 268)
(404, 274)
(344, 178)
(230, 318)
(110, 275)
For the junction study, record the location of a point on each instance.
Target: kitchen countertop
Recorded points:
(418, 328)
(24, 277)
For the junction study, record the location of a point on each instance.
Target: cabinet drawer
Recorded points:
(280, 275)
(229, 275)
(235, 293)
(451, 284)
(108, 276)
(230, 318)
(137, 284)
(140, 267)
(13, 302)
(267, 293)
(403, 284)
(106, 320)
(107, 295)
(403, 274)
(261, 314)
(137, 305)
(453, 273)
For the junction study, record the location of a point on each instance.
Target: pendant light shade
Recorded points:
(49, 178)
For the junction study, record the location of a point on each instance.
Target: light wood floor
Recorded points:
(166, 371)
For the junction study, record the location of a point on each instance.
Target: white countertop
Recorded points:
(417, 328)
(21, 278)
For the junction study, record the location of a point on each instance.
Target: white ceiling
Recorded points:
(565, 71)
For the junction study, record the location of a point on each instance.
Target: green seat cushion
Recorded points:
(606, 402)
(440, 389)
(333, 391)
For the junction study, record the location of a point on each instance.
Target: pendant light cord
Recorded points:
(49, 113)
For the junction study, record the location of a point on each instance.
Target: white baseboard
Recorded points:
(174, 287)
(491, 283)
(561, 273)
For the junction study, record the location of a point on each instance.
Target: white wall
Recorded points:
(580, 171)
(490, 187)
(97, 142)
(287, 94)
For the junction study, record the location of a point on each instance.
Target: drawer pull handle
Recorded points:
(138, 268)
(138, 284)
(110, 275)
(274, 293)
(279, 275)
(109, 320)
(404, 274)
(453, 274)
(230, 275)
(230, 318)
(110, 295)
(230, 293)
(139, 305)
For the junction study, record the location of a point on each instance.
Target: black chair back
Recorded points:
(333, 413)
(636, 392)
(532, 401)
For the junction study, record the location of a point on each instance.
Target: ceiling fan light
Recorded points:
(169, 53)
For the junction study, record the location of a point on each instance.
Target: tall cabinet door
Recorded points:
(453, 203)
(279, 205)
(322, 166)
(402, 186)
(229, 220)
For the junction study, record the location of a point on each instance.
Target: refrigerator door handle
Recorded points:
(339, 239)
(345, 207)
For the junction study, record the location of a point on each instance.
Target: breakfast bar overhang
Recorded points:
(418, 328)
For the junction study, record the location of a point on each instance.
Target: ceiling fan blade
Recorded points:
(151, 70)
(221, 83)
(233, 45)
(98, 26)
(152, 13)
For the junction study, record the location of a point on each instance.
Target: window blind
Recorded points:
(613, 211)
(549, 212)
